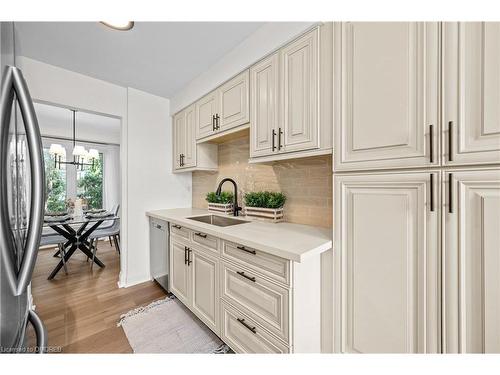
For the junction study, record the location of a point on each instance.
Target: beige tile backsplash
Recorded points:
(307, 182)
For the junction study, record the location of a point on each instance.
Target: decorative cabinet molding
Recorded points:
(290, 99)
(471, 93)
(187, 154)
(256, 302)
(206, 110)
(387, 263)
(234, 109)
(389, 95)
(471, 313)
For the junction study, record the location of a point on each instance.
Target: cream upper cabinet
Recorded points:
(189, 155)
(471, 313)
(178, 139)
(234, 103)
(179, 272)
(206, 110)
(387, 263)
(389, 95)
(205, 288)
(471, 93)
(299, 69)
(264, 83)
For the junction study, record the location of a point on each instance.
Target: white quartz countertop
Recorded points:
(295, 242)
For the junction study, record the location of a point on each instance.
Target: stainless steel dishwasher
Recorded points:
(159, 251)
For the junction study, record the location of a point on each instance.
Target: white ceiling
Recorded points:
(58, 122)
(156, 57)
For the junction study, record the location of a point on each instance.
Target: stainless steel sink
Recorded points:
(220, 221)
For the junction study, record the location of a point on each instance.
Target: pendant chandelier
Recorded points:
(81, 157)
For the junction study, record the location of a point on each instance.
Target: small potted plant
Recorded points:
(222, 203)
(265, 205)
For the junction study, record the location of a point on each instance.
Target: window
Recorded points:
(89, 184)
(55, 183)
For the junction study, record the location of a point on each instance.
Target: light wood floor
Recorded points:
(81, 309)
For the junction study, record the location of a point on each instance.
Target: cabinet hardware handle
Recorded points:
(217, 118)
(431, 143)
(251, 278)
(279, 138)
(202, 235)
(213, 122)
(185, 254)
(189, 256)
(242, 321)
(158, 226)
(450, 140)
(182, 160)
(432, 193)
(273, 144)
(177, 226)
(247, 250)
(450, 192)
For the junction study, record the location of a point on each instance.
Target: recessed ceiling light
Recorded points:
(119, 25)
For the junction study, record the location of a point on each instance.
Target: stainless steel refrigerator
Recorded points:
(22, 200)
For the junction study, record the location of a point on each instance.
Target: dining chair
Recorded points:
(112, 232)
(52, 238)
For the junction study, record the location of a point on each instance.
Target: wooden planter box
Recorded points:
(221, 208)
(274, 215)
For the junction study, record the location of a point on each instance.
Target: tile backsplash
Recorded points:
(307, 182)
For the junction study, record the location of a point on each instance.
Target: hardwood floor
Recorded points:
(81, 309)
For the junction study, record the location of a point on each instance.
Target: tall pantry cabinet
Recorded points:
(417, 187)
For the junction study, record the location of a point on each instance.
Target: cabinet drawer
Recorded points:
(275, 267)
(180, 231)
(206, 240)
(244, 335)
(263, 300)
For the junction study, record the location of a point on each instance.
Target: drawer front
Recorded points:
(264, 301)
(244, 335)
(206, 240)
(180, 231)
(275, 267)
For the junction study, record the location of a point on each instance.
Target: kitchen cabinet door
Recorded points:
(205, 288)
(234, 102)
(389, 96)
(299, 94)
(387, 263)
(264, 88)
(189, 159)
(179, 273)
(471, 92)
(179, 137)
(206, 109)
(472, 262)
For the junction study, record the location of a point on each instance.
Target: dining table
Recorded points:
(76, 230)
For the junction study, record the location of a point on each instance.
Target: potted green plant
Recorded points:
(265, 205)
(222, 203)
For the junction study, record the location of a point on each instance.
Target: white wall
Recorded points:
(266, 39)
(147, 164)
(151, 185)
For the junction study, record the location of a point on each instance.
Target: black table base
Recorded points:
(77, 240)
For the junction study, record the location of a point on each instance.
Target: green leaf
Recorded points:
(225, 197)
(265, 199)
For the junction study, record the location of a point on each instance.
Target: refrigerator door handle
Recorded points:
(14, 83)
(40, 330)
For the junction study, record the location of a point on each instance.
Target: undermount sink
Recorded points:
(219, 221)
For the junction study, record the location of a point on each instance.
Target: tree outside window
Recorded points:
(55, 181)
(89, 184)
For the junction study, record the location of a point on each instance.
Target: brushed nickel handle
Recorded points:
(432, 193)
(246, 250)
(242, 321)
(251, 278)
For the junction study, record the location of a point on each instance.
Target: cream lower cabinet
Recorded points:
(388, 95)
(387, 253)
(471, 313)
(471, 92)
(254, 301)
(195, 281)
